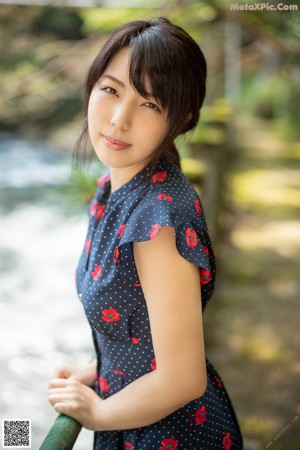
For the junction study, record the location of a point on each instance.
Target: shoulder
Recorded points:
(170, 201)
(170, 190)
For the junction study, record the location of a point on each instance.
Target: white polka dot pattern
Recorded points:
(112, 297)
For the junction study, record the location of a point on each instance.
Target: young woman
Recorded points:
(147, 268)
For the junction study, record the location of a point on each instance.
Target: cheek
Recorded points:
(159, 132)
(154, 128)
(94, 117)
(92, 108)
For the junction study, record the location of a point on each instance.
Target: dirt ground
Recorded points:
(251, 324)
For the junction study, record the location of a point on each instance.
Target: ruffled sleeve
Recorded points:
(192, 238)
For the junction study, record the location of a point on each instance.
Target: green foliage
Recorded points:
(84, 183)
(63, 23)
(270, 94)
(79, 190)
(45, 53)
(108, 19)
(211, 130)
(192, 16)
(194, 169)
(275, 96)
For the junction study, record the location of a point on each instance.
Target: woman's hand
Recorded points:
(70, 397)
(85, 374)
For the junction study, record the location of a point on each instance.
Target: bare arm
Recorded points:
(172, 291)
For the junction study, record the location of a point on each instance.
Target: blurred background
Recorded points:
(244, 158)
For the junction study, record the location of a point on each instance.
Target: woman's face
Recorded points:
(125, 128)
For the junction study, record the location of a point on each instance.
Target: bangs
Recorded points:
(150, 70)
(164, 64)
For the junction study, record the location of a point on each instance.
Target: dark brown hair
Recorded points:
(171, 60)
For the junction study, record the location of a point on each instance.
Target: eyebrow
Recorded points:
(120, 83)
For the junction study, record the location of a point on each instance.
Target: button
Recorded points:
(80, 297)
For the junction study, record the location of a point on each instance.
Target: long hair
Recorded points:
(171, 61)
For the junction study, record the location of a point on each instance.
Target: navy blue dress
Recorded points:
(113, 300)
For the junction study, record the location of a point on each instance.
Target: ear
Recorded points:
(186, 123)
(185, 126)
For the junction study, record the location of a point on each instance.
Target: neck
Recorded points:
(121, 176)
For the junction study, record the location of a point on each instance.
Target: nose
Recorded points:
(122, 116)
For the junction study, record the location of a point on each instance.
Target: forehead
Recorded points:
(119, 64)
(119, 67)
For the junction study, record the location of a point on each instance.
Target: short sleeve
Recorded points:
(192, 238)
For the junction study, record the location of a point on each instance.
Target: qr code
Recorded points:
(16, 433)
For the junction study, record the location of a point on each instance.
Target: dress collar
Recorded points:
(140, 180)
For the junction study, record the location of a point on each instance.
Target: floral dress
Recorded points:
(111, 294)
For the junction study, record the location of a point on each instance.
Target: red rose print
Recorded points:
(200, 415)
(118, 372)
(128, 446)
(103, 384)
(191, 237)
(102, 180)
(159, 177)
(136, 284)
(198, 207)
(100, 211)
(88, 245)
(227, 441)
(110, 315)
(165, 197)
(94, 208)
(205, 276)
(206, 251)
(154, 230)
(219, 382)
(121, 229)
(116, 254)
(153, 364)
(171, 444)
(97, 272)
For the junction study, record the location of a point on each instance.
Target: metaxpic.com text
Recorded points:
(262, 7)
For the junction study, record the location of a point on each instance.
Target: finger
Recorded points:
(63, 371)
(59, 408)
(74, 390)
(59, 382)
(60, 373)
(58, 391)
(64, 408)
(53, 399)
(63, 397)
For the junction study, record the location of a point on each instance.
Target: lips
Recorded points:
(115, 144)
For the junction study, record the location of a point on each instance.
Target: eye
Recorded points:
(109, 90)
(151, 105)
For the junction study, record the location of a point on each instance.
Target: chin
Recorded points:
(122, 161)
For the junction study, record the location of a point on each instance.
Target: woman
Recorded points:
(147, 269)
